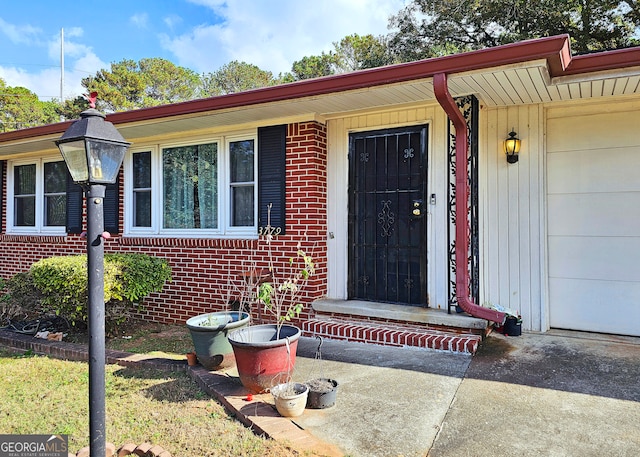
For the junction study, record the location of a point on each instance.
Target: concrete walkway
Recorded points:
(553, 394)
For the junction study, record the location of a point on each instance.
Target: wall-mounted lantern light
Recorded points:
(512, 147)
(93, 150)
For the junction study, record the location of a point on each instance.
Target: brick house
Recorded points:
(364, 166)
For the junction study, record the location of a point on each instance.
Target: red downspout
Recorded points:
(462, 191)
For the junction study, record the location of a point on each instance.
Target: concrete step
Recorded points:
(391, 334)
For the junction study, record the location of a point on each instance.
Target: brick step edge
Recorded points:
(365, 332)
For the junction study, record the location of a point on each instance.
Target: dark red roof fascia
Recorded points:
(554, 49)
(602, 61)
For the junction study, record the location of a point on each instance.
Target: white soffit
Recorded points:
(531, 83)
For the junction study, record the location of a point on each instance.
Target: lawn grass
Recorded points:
(42, 395)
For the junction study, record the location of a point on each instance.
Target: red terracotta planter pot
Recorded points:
(262, 358)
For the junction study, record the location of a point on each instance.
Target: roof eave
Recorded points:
(603, 61)
(555, 50)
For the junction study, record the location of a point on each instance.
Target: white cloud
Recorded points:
(80, 62)
(140, 20)
(172, 21)
(74, 32)
(273, 35)
(46, 83)
(22, 34)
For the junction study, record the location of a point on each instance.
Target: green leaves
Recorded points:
(20, 108)
(430, 28)
(280, 296)
(128, 278)
(150, 82)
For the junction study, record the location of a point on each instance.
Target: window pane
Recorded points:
(25, 180)
(55, 187)
(25, 211)
(241, 161)
(55, 177)
(190, 186)
(142, 189)
(55, 210)
(142, 170)
(142, 208)
(24, 195)
(243, 207)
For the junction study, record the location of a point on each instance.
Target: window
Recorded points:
(24, 184)
(142, 189)
(189, 191)
(55, 196)
(36, 196)
(242, 183)
(199, 189)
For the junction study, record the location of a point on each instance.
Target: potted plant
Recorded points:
(265, 354)
(209, 335)
(290, 398)
(322, 393)
(209, 331)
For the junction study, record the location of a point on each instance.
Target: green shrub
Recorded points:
(127, 279)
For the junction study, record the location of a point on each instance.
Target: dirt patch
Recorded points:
(140, 337)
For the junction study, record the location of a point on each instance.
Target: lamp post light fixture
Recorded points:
(512, 147)
(93, 150)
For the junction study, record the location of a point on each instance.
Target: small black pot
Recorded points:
(512, 326)
(322, 393)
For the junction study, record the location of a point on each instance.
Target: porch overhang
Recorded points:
(533, 71)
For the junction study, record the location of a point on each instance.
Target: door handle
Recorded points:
(417, 208)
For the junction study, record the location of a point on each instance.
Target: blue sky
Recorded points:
(199, 34)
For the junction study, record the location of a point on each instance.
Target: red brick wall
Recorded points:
(202, 268)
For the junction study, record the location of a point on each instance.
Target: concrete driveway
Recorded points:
(552, 394)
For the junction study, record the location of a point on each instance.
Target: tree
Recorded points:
(355, 52)
(72, 108)
(166, 82)
(314, 66)
(20, 108)
(149, 82)
(235, 77)
(428, 28)
(352, 53)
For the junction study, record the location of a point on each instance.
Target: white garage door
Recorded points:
(593, 170)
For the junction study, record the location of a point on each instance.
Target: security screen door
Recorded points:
(388, 216)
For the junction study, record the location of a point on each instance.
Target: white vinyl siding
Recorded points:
(593, 160)
(511, 214)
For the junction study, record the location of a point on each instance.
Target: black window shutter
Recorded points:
(112, 207)
(74, 206)
(271, 175)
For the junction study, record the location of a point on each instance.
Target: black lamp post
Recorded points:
(93, 150)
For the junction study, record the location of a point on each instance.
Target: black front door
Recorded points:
(388, 216)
